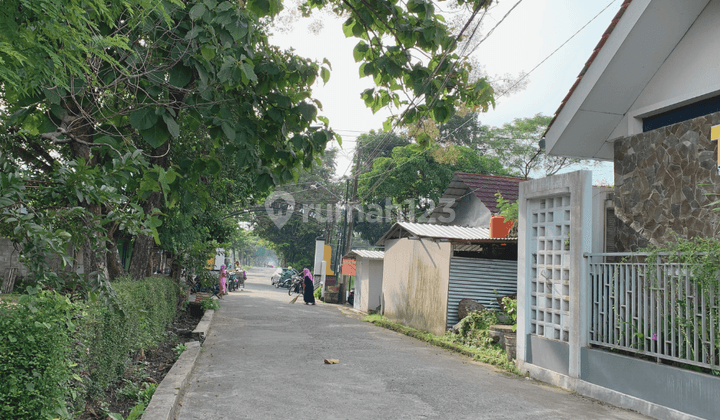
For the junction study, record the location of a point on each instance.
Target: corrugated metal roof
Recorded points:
(426, 230)
(366, 253)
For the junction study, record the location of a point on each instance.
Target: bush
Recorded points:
(111, 337)
(54, 352)
(35, 350)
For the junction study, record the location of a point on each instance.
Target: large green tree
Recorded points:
(155, 92)
(414, 178)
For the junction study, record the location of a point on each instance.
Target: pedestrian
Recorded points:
(223, 280)
(309, 288)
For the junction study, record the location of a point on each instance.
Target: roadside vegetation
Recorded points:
(58, 356)
(473, 339)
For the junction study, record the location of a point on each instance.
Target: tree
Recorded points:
(516, 145)
(148, 95)
(414, 178)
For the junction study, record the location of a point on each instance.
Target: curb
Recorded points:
(164, 403)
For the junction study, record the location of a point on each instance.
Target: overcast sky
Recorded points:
(529, 34)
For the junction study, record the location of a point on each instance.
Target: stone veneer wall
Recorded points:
(665, 180)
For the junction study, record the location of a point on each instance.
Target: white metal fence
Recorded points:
(661, 312)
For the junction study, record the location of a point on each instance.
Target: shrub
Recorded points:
(35, 350)
(111, 336)
(54, 352)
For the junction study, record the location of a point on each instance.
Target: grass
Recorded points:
(491, 354)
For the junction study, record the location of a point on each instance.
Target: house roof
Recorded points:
(635, 45)
(590, 60)
(427, 230)
(365, 253)
(483, 186)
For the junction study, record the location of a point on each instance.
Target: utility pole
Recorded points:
(351, 222)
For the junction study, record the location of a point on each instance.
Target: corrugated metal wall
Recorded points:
(480, 279)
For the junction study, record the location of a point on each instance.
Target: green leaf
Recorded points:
(156, 135)
(172, 126)
(180, 75)
(197, 11)
(307, 111)
(249, 72)
(213, 166)
(207, 52)
(143, 118)
(360, 51)
(228, 130)
(325, 75)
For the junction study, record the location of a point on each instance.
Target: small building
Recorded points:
(368, 278)
(429, 268)
(469, 200)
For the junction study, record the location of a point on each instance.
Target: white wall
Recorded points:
(368, 284)
(471, 212)
(415, 283)
(690, 72)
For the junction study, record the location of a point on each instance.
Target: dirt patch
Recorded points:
(151, 366)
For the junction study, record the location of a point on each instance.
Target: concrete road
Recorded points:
(263, 359)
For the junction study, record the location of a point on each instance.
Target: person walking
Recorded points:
(309, 288)
(223, 280)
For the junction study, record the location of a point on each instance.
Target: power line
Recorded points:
(535, 68)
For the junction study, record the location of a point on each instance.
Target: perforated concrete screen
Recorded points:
(550, 269)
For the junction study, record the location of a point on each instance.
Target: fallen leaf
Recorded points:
(332, 361)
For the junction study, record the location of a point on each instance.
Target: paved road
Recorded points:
(263, 359)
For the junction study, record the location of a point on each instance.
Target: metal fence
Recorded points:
(656, 310)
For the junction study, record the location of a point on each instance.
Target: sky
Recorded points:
(528, 36)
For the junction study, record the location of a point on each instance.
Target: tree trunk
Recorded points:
(115, 268)
(142, 250)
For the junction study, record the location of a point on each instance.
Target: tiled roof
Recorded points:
(485, 186)
(594, 54)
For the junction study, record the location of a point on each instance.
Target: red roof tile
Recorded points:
(485, 187)
(594, 54)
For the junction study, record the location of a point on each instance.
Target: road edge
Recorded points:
(165, 400)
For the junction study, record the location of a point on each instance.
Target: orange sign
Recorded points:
(348, 267)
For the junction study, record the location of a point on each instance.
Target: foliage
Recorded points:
(132, 391)
(35, 357)
(147, 107)
(55, 352)
(179, 349)
(510, 308)
(317, 292)
(129, 391)
(415, 177)
(314, 214)
(507, 209)
(209, 304)
(491, 354)
(516, 144)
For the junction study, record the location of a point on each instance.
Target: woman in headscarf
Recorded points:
(309, 287)
(223, 280)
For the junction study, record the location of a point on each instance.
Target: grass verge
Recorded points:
(491, 354)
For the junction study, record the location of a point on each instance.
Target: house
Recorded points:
(646, 100)
(469, 200)
(368, 278)
(615, 330)
(429, 268)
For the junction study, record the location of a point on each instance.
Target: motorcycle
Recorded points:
(233, 282)
(351, 297)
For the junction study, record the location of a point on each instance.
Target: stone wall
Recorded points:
(665, 180)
